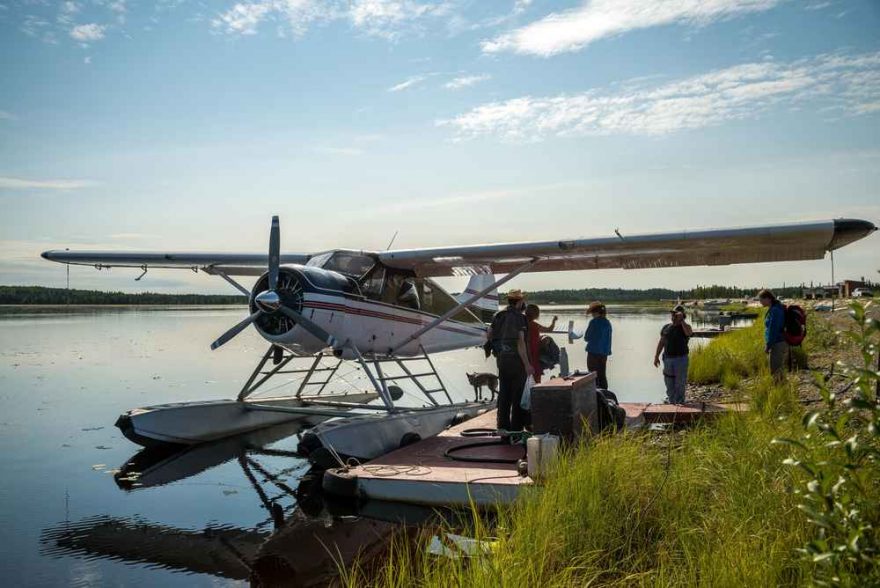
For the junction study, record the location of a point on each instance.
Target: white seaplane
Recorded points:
(381, 310)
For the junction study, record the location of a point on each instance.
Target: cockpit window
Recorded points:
(403, 288)
(349, 263)
(408, 295)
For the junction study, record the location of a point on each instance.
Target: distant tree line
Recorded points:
(40, 295)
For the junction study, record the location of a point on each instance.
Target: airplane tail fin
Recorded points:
(477, 283)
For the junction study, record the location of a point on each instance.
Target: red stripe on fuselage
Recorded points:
(321, 305)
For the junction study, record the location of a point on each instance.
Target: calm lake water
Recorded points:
(66, 376)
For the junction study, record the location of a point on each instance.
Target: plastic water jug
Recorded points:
(540, 452)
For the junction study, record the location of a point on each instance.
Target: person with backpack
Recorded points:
(775, 344)
(533, 338)
(598, 337)
(507, 335)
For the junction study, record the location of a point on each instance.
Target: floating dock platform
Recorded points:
(712, 333)
(644, 413)
(423, 474)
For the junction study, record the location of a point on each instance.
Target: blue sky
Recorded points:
(179, 124)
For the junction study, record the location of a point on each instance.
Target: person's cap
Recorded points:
(515, 294)
(679, 308)
(595, 307)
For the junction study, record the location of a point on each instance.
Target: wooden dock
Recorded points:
(640, 414)
(712, 333)
(422, 474)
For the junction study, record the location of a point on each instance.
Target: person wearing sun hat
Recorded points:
(598, 338)
(507, 335)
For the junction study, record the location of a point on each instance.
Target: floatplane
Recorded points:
(382, 312)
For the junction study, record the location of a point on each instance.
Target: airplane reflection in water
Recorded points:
(304, 547)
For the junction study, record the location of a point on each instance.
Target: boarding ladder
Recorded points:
(418, 369)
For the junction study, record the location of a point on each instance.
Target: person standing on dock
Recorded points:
(775, 345)
(598, 337)
(673, 345)
(533, 338)
(507, 334)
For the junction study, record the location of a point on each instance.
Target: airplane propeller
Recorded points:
(269, 302)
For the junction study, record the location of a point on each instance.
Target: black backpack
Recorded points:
(611, 415)
(548, 352)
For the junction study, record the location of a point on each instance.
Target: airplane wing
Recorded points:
(789, 242)
(234, 264)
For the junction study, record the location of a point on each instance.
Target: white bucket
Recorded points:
(540, 452)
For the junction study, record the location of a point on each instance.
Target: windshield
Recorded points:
(350, 263)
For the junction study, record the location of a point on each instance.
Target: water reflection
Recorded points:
(300, 543)
(160, 465)
(305, 551)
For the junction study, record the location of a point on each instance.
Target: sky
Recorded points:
(185, 125)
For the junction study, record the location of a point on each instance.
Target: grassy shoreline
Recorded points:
(713, 506)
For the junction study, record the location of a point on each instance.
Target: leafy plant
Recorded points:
(839, 451)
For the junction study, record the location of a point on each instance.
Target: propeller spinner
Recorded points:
(269, 302)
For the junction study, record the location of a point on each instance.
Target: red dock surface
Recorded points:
(421, 473)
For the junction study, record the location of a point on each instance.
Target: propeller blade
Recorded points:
(225, 337)
(274, 252)
(311, 327)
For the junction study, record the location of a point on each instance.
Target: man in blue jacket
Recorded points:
(775, 345)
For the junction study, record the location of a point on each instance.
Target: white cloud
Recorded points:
(520, 6)
(408, 83)
(4, 115)
(465, 81)
(574, 29)
(7, 183)
(69, 7)
(385, 18)
(243, 18)
(836, 83)
(87, 32)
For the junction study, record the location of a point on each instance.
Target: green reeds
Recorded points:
(730, 358)
(707, 508)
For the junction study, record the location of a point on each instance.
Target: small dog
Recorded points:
(483, 379)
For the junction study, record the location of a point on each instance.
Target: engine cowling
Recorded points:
(289, 290)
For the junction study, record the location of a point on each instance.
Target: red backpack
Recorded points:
(794, 328)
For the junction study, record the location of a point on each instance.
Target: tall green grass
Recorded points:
(734, 357)
(707, 508)
(730, 358)
(713, 506)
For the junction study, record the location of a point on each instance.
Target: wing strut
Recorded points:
(463, 304)
(233, 283)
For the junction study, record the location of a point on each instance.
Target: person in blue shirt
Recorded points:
(598, 337)
(775, 345)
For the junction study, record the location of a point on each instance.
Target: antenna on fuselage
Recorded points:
(391, 242)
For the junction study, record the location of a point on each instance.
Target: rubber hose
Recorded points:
(448, 453)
